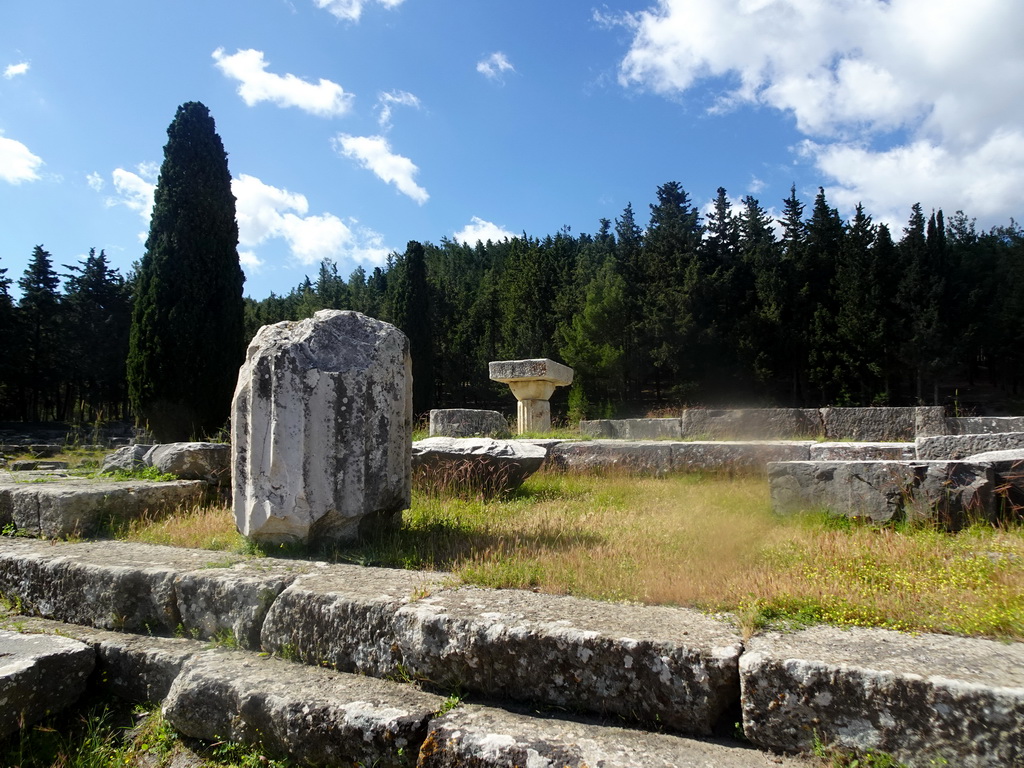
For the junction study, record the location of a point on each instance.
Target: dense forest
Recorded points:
(732, 307)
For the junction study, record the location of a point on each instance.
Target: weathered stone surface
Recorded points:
(981, 425)
(110, 585)
(484, 737)
(321, 429)
(873, 490)
(962, 446)
(127, 458)
(491, 466)
(536, 369)
(633, 429)
(869, 424)
(652, 664)
(650, 458)
(736, 455)
(922, 698)
(138, 668)
(60, 507)
(929, 420)
(39, 675)
(952, 494)
(192, 461)
(467, 422)
(314, 715)
(863, 452)
(344, 616)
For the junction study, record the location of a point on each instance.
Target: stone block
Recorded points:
(35, 465)
(633, 429)
(863, 451)
(645, 458)
(39, 675)
(535, 369)
(869, 424)
(962, 446)
(475, 464)
(719, 455)
(312, 715)
(751, 423)
(126, 458)
(983, 425)
(485, 737)
(76, 507)
(467, 422)
(322, 429)
(925, 699)
(929, 420)
(950, 494)
(192, 461)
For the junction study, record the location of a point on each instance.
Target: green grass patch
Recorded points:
(709, 541)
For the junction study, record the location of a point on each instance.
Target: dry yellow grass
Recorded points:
(705, 541)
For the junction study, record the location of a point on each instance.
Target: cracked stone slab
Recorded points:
(316, 716)
(652, 664)
(39, 675)
(58, 507)
(144, 587)
(921, 698)
(485, 737)
(138, 668)
(962, 446)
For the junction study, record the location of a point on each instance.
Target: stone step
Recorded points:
(29, 666)
(920, 697)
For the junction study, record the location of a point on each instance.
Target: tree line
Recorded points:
(724, 308)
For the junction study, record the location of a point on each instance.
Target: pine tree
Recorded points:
(188, 320)
(38, 310)
(8, 342)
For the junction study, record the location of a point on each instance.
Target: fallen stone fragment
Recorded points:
(485, 737)
(925, 699)
(192, 461)
(33, 465)
(39, 675)
(127, 458)
(321, 430)
(314, 715)
(475, 464)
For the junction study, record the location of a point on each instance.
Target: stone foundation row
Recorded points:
(921, 698)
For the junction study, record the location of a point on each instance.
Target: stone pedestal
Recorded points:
(532, 382)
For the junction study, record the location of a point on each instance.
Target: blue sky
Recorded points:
(353, 126)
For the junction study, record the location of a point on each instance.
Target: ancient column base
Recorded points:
(533, 416)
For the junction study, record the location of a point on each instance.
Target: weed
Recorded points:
(844, 758)
(139, 473)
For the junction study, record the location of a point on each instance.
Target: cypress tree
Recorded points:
(187, 323)
(411, 312)
(39, 312)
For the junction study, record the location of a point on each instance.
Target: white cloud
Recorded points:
(351, 10)
(374, 153)
(17, 163)
(250, 261)
(13, 70)
(387, 101)
(325, 98)
(494, 66)
(480, 230)
(95, 181)
(264, 211)
(904, 100)
(134, 192)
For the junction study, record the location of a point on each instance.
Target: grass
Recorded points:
(102, 734)
(701, 540)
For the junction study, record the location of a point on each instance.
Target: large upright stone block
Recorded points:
(322, 429)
